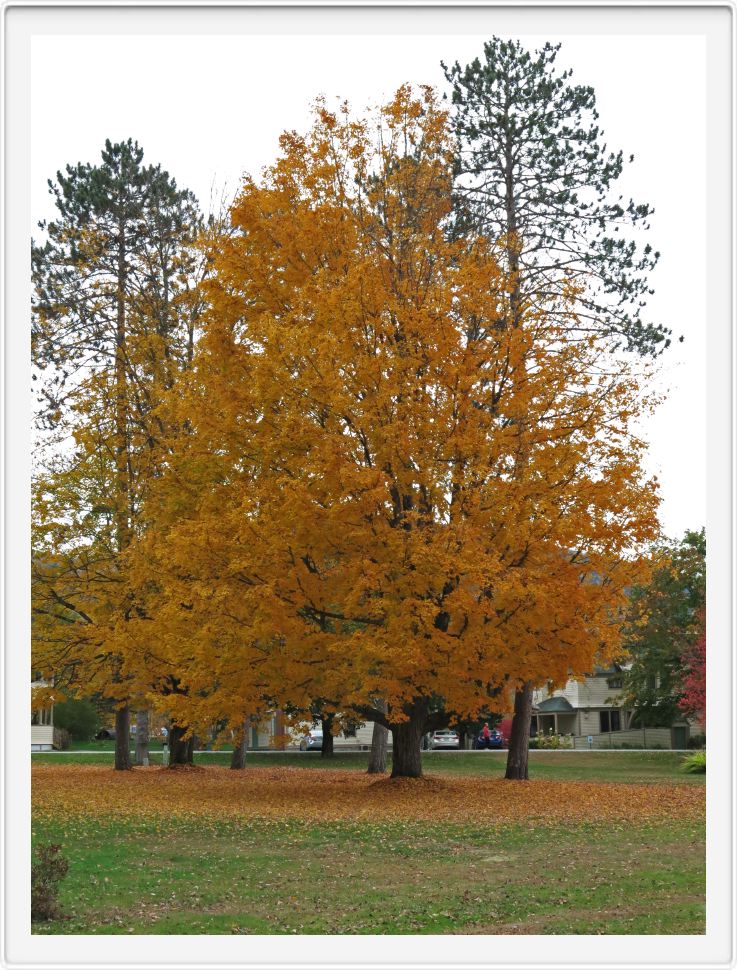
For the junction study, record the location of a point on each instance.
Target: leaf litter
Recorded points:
(335, 795)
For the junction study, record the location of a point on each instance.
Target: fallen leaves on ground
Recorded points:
(96, 790)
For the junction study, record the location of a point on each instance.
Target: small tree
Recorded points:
(79, 717)
(693, 699)
(664, 621)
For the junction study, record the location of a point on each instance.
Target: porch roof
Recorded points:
(555, 705)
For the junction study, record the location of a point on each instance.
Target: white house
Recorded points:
(590, 708)
(42, 724)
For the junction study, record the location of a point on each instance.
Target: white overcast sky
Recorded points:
(211, 108)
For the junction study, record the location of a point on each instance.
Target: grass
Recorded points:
(219, 861)
(646, 767)
(695, 763)
(294, 877)
(106, 746)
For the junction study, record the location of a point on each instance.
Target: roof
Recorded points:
(554, 705)
(615, 668)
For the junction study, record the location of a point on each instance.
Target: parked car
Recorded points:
(444, 739)
(495, 741)
(105, 734)
(313, 742)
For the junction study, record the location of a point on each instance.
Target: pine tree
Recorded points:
(532, 172)
(533, 175)
(113, 323)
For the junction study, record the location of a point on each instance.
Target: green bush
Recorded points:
(695, 763)
(80, 718)
(46, 874)
(550, 741)
(696, 741)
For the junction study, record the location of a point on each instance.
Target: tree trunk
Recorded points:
(519, 741)
(327, 736)
(179, 750)
(123, 739)
(406, 740)
(142, 737)
(240, 747)
(379, 744)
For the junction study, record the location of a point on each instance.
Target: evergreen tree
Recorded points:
(533, 173)
(114, 317)
(533, 176)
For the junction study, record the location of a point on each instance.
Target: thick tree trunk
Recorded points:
(519, 741)
(240, 747)
(123, 739)
(142, 737)
(180, 752)
(379, 745)
(327, 736)
(406, 740)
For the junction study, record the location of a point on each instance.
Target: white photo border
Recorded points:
(716, 22)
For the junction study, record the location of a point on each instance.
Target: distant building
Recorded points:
(590, 708)
(42, 724)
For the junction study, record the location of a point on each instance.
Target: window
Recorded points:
(349, 731)
(614, 683)
(609, 721)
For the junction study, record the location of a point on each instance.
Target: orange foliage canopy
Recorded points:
(385, 491)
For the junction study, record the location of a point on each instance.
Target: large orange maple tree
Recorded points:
(387, 496)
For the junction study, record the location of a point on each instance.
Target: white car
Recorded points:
(313, 742)
(444, 739)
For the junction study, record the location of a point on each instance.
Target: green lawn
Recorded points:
(195, 872)
(403, 878)
(624, 766)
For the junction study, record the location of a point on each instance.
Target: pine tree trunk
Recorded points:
(406, 751)
(327, 736)
(123, 739)
(379, 744)
(519, 741)
(122, 444)
(179, 750)
(240, 747)
(142, 738)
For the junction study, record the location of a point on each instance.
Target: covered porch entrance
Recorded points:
(553, 715)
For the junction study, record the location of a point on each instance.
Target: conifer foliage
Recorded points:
(114, 315)
(533, 170)
(531, 173)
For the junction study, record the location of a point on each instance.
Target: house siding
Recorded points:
(42, 737)
(589, 697)
(364, 733)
